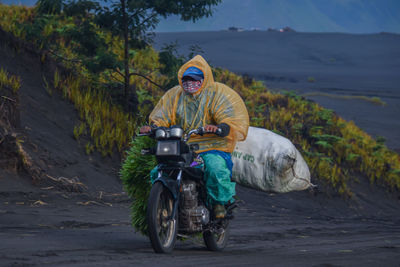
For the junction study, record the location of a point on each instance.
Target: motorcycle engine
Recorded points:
(192, 215)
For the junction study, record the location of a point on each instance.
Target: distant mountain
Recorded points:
(353, 16)
(18, 2)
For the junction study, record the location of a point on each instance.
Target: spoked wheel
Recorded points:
(217, 239)
(162, 229)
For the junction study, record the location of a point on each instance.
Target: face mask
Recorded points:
(191, 86)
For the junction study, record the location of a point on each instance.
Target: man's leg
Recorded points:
(220, 188)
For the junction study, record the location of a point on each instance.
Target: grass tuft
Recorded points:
(10, 81)
(311, 79)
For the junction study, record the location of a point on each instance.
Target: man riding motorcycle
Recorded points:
(200, 101)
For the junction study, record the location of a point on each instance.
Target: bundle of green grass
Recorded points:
(135, 175)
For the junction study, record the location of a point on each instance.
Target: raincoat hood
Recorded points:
(200, 63)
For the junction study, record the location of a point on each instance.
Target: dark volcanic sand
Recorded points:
(93, 228)
(341, 64)
(295, 229)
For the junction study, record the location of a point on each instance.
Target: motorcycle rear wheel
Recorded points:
(162, 230)
(216, 241)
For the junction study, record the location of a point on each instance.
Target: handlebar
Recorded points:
(153, 129)
(199, 131)
(202, 130)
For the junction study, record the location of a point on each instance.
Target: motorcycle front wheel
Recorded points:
(162, 229)
(217, 240)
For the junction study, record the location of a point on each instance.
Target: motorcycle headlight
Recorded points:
(160, 134)
(176, 132)
(167, 148)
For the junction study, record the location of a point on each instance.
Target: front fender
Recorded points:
(170, 184)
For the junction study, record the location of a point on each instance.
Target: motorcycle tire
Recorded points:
(216, 242)
(162, 232)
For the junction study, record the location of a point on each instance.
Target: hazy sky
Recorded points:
(353, 16)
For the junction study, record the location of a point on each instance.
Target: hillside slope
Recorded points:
(47, 122)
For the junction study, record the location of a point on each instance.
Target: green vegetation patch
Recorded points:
(374, 100)
(11, 81)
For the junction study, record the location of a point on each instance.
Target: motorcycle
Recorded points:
(177, 204)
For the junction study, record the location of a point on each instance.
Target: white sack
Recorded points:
(269, 162)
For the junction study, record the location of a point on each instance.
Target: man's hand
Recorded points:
(145, 129)
(210, 128)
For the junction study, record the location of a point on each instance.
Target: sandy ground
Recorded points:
(40, 226)
(296, 229)
(339, 64)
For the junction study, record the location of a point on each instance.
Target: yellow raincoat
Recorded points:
(214, 103)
